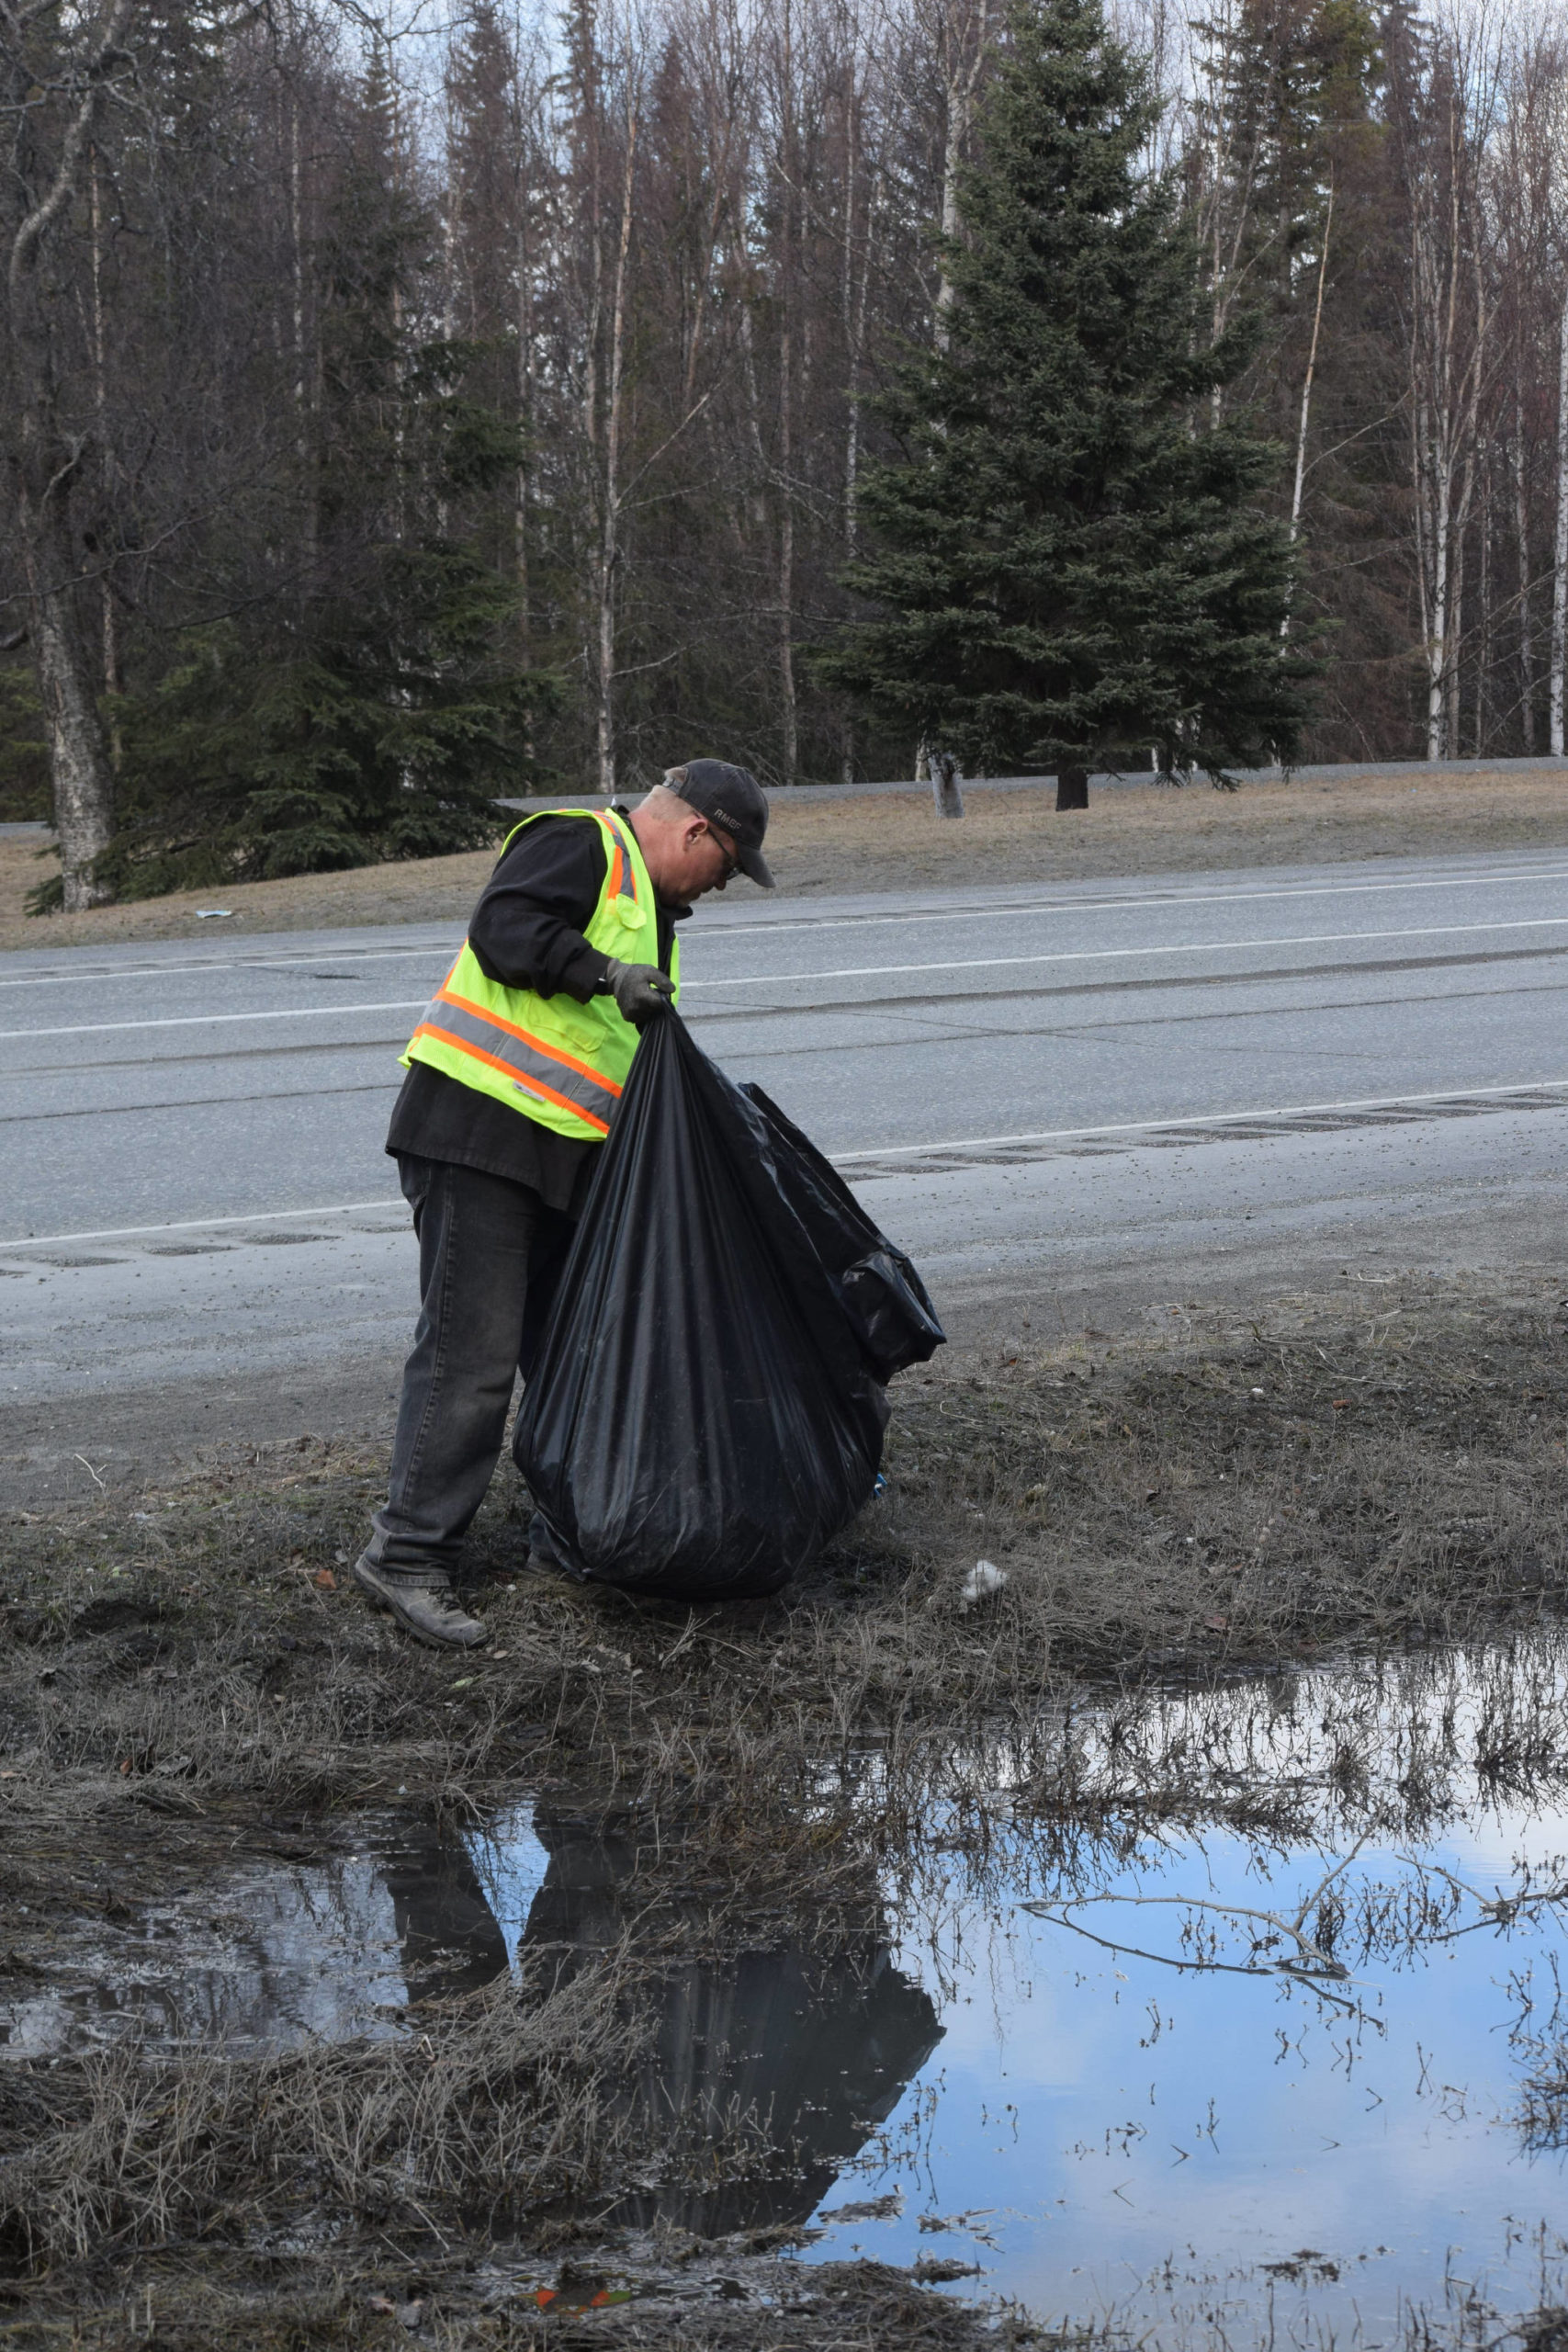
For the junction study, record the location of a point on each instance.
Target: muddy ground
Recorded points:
(896, 842)
(189, 1683)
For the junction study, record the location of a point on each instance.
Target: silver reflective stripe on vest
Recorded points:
(627, 885)
(536, 1068)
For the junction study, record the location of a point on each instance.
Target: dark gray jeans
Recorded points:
(489, 1256)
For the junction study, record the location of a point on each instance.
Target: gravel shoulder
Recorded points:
(894, 841)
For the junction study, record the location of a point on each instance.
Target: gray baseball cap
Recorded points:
(733, 798)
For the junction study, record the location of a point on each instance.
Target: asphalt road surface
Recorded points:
(1071, 1103)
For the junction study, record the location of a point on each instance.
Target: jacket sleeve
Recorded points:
(527, 928)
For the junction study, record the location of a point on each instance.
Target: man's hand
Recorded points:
(639, 990)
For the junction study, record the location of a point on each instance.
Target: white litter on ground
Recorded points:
(983, 1579)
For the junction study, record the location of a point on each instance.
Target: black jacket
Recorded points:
(527, 933)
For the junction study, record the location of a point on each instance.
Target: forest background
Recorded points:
(424, 403)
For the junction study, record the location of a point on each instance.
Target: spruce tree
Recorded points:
(1071, 553)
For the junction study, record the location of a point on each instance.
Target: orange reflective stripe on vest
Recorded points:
(561, 1061)
(546, 1070)
(622, 883)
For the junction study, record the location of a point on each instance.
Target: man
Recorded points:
(514, 1072)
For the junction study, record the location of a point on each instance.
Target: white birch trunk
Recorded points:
(953, 152)
(1437, 638)
(450, 241)
(1483, 694)
(45, 448)
(787, 166)
(609, 541)
(788, 713)
(524, 394)
(1522, 545)
(301, 366)
(963, 61)
(1459, 525)
(80, 767)
(1560, 546)
(945, 779)
(854, 343)
(100, 404)
(1305, 420)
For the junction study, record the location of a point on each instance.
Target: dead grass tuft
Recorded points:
(133, 2146)
(1240, 1492)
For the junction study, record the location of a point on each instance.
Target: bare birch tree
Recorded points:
(1521, 198)
(1560, 550)
(57, 77)
(960, 33)
(1446, 84)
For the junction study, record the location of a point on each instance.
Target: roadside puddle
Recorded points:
(267, 1958)
(1225, 2087)
(1299, 2070)
(1153, 2101)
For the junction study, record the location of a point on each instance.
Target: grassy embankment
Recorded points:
(895, 843)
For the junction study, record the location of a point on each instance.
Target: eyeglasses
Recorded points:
(731, 861)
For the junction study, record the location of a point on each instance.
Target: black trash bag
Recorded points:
(884, 1296)
(705, 1413)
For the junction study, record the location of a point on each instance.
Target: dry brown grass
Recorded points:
(188, 1676)
(1403, 1477)
(132, 2147)
(1007, 837)
(1260, 1489)
(895, 843)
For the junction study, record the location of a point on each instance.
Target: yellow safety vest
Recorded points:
(554, 1059)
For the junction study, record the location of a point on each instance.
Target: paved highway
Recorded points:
(1089, 1096)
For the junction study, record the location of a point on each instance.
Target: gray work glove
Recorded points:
(639, 990)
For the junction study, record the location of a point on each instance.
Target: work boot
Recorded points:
(422, 1603)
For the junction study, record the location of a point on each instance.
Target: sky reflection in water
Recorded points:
(1226, 2153)
(1114, 2115)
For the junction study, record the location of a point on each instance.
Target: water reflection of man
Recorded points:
(818, 2049)
(450, 1939)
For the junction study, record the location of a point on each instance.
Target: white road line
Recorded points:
(852, 972)
(215, 1019)
(1159, 899)
(448, 949)
(1207, 1119)
(850, 1158)
(1025, 910)
(1118, 955)
(199, 1223)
